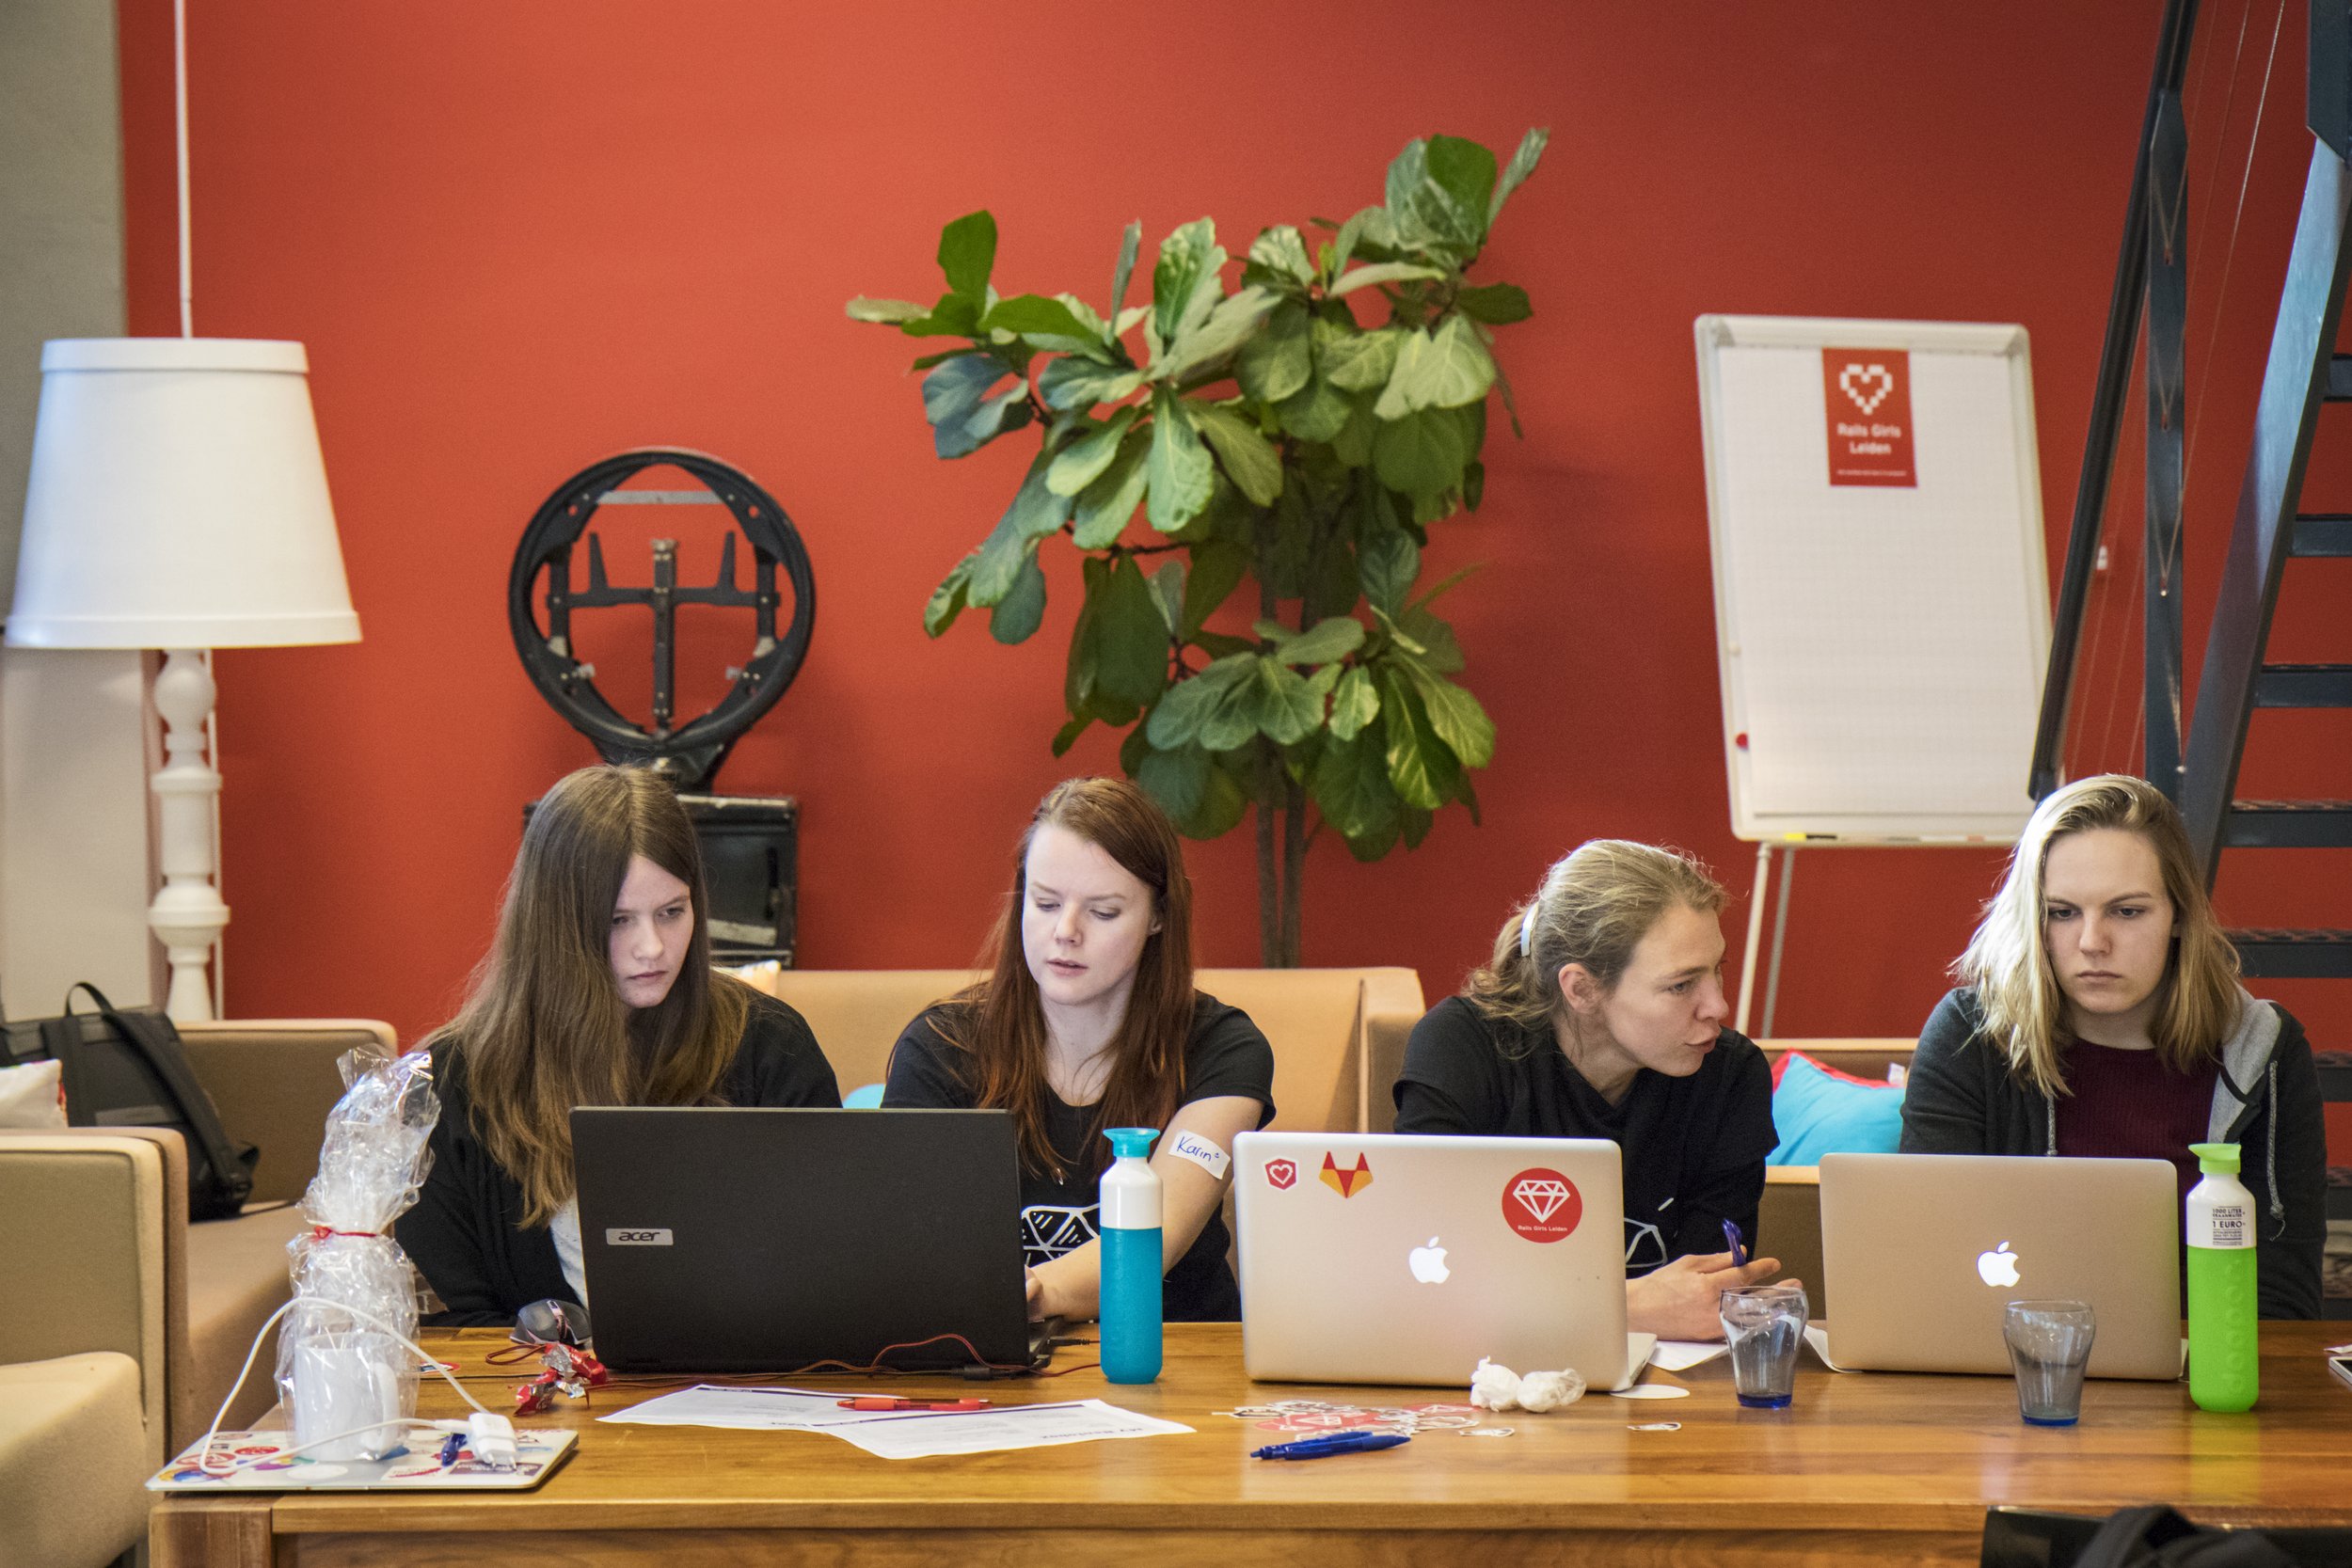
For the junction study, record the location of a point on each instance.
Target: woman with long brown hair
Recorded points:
(597, 990)
(2099, 1013)
(1088, 1019)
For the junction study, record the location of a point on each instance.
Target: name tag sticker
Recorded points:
(1191, 1146)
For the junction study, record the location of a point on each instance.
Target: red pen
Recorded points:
(885, 1402)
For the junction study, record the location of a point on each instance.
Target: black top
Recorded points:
(1962, 1099)
(466, 1233)
(1225, 1055)
(1694, 1148)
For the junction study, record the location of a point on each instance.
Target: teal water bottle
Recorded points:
(2224, 1352)
(1129, 1220)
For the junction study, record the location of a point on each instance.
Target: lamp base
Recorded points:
(187, 914)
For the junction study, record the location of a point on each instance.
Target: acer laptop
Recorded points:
(725, 1239)
(1924, 1252)
(1383, 1257)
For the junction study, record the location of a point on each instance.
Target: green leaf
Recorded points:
(1082, 462)
(1217, 568)
(1384, 272)
(1078, 674)
(1035, 313)
(1168, 590)
(1220, 645)
(1434, 643)
(1176, 780)
(1179, 472)
(1496, 303)
(1327, 640)
(1187, 257)
(947, 600)
(1396, 398)
(1455, 715)
(1131, 641)
(1068, 734)
(1281, 705)
(954, 316)
(1353, 445)
(1250, 461)
(1466, 171)
(1358, 361)
(890, 311)
(964, 417)
(1422, 768)
(1228, 325)
(1419, 454)
(1182, 716)
(1128, 318)
(1369, 230)
(1354, 702)
(1455, 370)
(1350, 785)
(1426, 215)
(1130, 243)
(1280, 361)
(1104, 506)
(1071, 381)
(1282, 252)
(1523, 162)
(1416, 826)
(1389, 560)
(1018, 614)
(967, 253)
(1318, 412)
(1036, 510)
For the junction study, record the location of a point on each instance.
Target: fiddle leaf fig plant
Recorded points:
(1300, 431)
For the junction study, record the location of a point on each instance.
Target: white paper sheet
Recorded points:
(1015, 1426)
(753, 1409)
(1676, 1356)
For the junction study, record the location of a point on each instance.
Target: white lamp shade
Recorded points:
(178, 501)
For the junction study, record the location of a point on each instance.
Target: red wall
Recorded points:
(521, 237)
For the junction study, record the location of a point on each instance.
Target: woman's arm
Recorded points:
(442, 1232)
(1944, 1104)
(2287, 1262)
(1071, 1286)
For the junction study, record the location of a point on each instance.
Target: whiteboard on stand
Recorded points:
(1881, 591)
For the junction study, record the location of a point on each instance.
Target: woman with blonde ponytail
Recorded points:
(597, 990)
(1600, 1015)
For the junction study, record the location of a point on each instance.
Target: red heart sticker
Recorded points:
(1281, 1173)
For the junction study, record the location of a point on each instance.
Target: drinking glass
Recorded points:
(2049, 1344)
(1763, 1325)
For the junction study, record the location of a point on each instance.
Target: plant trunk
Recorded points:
(1281, 860)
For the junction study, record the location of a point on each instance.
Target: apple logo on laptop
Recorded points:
(1429, 1263)
(1998, 1268)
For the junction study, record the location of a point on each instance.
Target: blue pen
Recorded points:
(1738, 1253)
(1341, 1442)
(452, 1447)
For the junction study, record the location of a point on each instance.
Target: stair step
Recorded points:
(2304, 686)
(2339, 378)
(2322, 534)
(2301, 955)
(2289, 825)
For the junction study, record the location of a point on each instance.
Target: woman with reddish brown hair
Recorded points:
(1088, 1019)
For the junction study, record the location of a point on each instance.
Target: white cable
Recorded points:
(179, 101)
(204, 1454)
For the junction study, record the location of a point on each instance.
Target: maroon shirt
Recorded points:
(2127, 1105)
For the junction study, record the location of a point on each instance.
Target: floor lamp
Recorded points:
(178, 501)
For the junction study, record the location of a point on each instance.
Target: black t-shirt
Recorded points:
(466, 1233)
(1225, 1055)
(1693, 1146)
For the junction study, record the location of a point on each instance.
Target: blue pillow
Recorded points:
(866, 1096)
(1816, 1114)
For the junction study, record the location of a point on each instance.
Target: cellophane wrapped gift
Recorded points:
(341, 1366)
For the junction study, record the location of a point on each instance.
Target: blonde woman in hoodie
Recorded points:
(2099, 1014)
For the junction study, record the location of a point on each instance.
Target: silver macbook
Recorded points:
(1924, 1252)
(1390, 1259)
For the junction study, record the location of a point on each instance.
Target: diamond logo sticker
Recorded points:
(1542, 1205)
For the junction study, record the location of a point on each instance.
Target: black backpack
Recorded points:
(125, 1069)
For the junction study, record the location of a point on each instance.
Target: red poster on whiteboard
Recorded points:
(1867, 391)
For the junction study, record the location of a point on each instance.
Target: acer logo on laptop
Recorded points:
(637, 1238)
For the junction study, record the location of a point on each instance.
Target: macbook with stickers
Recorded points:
(725, 1239)
(1923, 1253)
(1381, 1258)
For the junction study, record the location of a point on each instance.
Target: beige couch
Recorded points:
(1337, 1034)
(122, 1324)
(1788, 1223)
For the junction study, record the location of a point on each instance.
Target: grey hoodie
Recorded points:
(1962, 1099)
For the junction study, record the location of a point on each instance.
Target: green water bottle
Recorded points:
(2224, 1371)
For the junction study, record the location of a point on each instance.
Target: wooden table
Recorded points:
(1871, 1467)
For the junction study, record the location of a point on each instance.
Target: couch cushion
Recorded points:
(1820, 1112)
(237, 1279)
(73, 1459)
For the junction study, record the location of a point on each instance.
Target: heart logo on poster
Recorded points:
(1867, 385)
